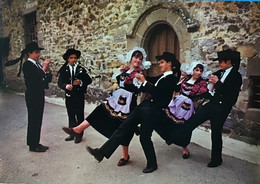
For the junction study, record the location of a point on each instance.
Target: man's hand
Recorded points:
(140, 77)
(69, 87)
(76, 82)
(46, 65)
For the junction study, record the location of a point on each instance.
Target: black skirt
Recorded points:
(102, 121)
(172, 133)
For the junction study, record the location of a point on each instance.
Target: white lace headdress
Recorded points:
(188, 68)
(145, 64)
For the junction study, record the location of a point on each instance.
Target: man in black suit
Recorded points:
(159, 92)
(73, 79)
(36, 79)
(226, 84)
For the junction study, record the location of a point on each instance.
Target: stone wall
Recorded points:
(99, 30)
(12, 27)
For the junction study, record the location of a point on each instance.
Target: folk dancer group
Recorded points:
(119, 116)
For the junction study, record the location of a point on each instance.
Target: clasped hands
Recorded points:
(75, 83)
(213, 79)
(140, 77)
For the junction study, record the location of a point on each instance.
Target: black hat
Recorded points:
(167, 56)
(70, 52)
(231, 55)
(30, 47)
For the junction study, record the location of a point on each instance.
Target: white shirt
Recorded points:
(36, 64)
(74, 71)
(74, 68)
(227, 71)
(163, 76)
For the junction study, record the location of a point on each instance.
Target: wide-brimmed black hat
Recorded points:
(229, 54)
(30, 47)
(168, 56)
(70, 52)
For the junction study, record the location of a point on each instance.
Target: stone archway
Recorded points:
(153, 17)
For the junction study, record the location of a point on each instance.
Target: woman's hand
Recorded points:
(122, 68)
(213, 79)
(183, 75)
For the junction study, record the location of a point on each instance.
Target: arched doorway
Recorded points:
(149, 30)
(158, 39)
(151, 26)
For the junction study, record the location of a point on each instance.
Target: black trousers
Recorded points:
(181, 134)
(167, 130)
(75, 109)
(126, 129)
(35, 107)
(217, 114)
(147, 127)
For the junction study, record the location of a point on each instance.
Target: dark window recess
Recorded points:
(30, 27)
(254, 101)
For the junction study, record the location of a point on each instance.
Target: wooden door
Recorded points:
(161, 38)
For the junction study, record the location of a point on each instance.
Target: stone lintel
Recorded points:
(30, 9)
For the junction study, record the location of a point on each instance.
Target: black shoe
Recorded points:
(70, 138)
(45, 147)
(149, 169)
(215, 163)
(96, 153)
(71, 132)
(122, 161)
(78, 141)
(185, 155)
(37, 149)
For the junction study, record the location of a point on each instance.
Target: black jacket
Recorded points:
(161, 94)
(36, 80)
(81, 74)
(226, 93)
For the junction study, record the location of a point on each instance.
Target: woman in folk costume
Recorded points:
(107, 117)
(193, 86)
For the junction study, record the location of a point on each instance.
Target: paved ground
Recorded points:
(69, 163)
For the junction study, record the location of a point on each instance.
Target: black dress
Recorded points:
(105, 118)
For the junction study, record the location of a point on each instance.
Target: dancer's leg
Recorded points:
(78, 129)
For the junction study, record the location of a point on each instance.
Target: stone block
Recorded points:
(247, 51)
(253, 114)
(253, 66)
